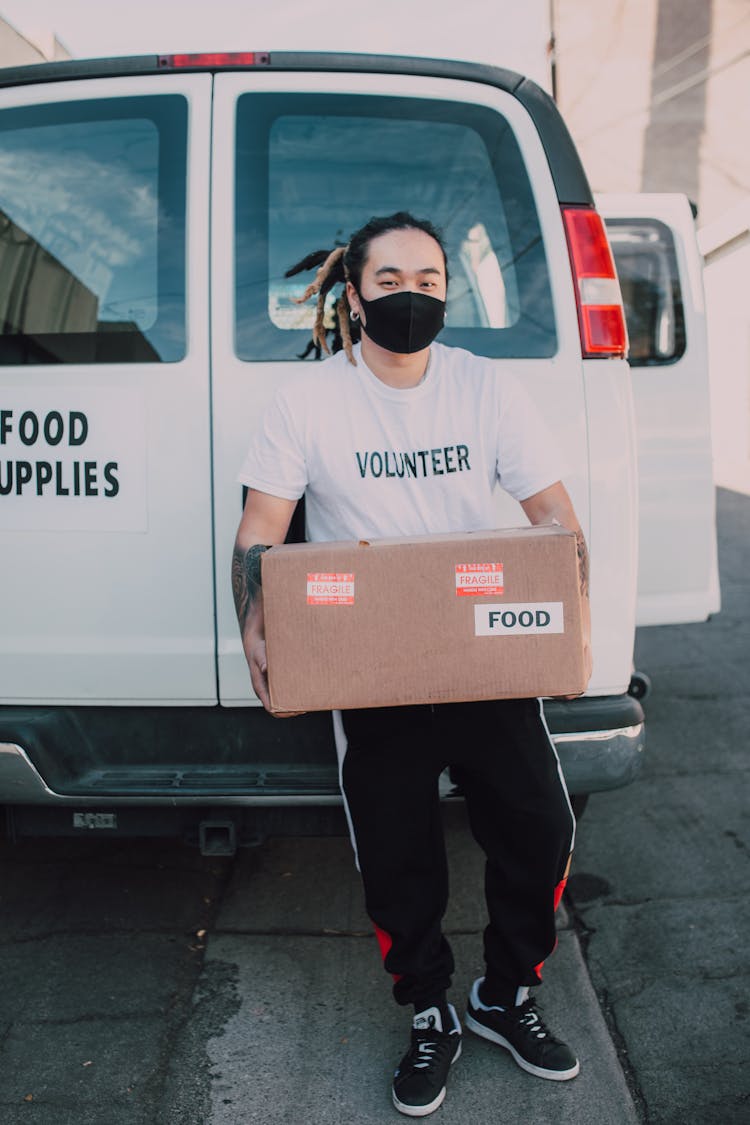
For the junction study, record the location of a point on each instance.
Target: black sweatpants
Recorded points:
(520, 815)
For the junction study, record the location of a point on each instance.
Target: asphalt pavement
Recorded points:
(661, 880)
(316, 1034)
(146, 985)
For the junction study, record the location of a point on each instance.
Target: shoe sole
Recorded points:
(538, 1071)
(424, 1110)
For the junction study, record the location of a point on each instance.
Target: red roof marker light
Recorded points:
(216, 60)
(601, 316)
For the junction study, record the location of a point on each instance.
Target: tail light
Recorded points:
(601, 317)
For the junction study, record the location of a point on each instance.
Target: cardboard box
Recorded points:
(435, 619)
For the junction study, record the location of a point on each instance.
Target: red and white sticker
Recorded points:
(477, 579)
(330, 589)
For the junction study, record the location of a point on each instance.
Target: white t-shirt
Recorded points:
(375, 461)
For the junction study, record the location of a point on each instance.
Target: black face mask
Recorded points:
(403, 322)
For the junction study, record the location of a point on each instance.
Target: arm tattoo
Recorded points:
(246, 579)
(583, 563)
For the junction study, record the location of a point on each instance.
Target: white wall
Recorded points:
(657, 95)
(726, 249)
(18, 50)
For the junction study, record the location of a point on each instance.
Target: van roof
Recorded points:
(570, 180)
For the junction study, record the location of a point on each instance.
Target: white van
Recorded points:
(150, 209)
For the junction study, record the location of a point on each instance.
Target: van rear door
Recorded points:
(660, 271)
(302, 159)
(105, 503)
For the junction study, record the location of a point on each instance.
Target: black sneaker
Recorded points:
(419, 1081)
(521, 1031)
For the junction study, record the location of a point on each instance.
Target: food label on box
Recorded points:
(510, 620)
(476, 579)
(330, 589)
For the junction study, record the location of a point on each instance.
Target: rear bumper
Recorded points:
(600, 742)
(599, 739)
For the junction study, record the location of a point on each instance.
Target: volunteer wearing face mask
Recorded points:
(401, 436)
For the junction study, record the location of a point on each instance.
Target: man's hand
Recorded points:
(588, 667)
(256, 659)
(550, 505)
(588, 659)
(265, 521)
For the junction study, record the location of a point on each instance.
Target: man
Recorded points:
(401, 392)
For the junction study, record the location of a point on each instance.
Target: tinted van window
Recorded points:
(92, 231)
(647, 268)
(312, 169)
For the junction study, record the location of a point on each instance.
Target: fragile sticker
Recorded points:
(479, 579)
(330, 589)
(526, 619)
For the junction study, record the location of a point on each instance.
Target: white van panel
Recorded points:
(242, 389)
(613, 537)
(725, 245)
(65, 637)
(677, 568)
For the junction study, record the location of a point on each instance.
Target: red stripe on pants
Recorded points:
(385, 941)
(559, 891)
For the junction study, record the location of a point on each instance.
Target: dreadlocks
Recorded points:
(330, 272)
(345, 263)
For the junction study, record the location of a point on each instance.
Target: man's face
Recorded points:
(401, 260)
